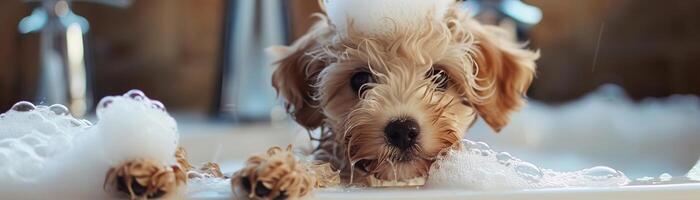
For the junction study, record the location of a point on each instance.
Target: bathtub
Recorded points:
(230, 145)
(642, 139)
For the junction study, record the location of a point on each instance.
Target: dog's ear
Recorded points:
(504, 66)
(296, 74)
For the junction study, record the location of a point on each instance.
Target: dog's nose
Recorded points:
(402, 132)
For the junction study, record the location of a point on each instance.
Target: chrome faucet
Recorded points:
(63, 78)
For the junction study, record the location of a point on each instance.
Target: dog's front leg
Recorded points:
(278, 174)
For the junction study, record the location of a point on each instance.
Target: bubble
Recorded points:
(475, 151)
(23, 106)
(646, 178)
(665, 177)
(485, 149)
(482, 146)
(86, 122)
(157, 105)
(136, 95)
(59, 109)
(468, 143)
(75, 122)
(528, 171)
(105, 102)
(31, 140)
(478, 148)
(42, 151)
(601, 173)
(504, 158)
(486, 153)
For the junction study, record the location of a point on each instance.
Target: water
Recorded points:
(395, 178)
(352, 171)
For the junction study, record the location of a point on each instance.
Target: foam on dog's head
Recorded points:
(373, 17)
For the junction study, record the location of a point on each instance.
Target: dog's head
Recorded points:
(397, 93)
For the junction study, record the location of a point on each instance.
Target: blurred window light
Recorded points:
(515, 9)
(522, 12)
(33, 22)
(77, 81)
(71, 18)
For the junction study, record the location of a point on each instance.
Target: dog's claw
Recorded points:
(138, 189)
(261, 190)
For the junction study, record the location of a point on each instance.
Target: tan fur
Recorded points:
(278, 173)
(148, 179)
(157, 180)
(488, 76)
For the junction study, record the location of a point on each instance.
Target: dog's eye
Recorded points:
(359, 79)
(439, 77)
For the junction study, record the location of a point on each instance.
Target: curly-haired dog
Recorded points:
(390, 84)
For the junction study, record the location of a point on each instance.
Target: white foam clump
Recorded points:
(372, 17)
(47, 153)
(477, 167)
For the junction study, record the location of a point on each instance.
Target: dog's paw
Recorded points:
(144, 179)
(274, 175)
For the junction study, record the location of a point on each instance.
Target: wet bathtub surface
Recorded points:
(679, 188)
(230, 145)
(642, 192)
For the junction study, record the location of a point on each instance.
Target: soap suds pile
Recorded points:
(45, 153)
(603, 123)
(605, 127)
(477, 167)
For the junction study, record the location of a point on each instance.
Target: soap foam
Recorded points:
(47, 153)
(587, 129)
(475, 166)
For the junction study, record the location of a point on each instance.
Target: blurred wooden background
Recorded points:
(171, 49)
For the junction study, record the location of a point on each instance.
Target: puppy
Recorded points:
(390, 84)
